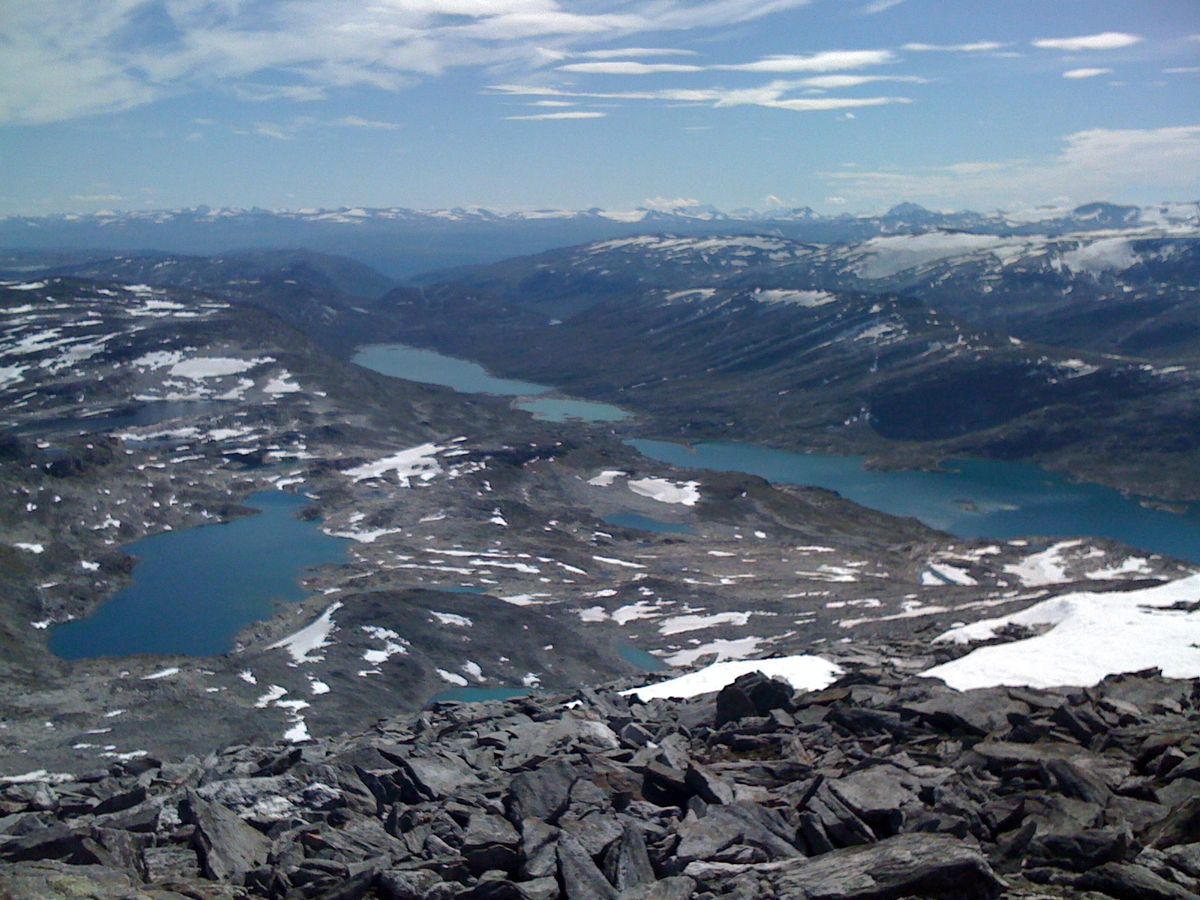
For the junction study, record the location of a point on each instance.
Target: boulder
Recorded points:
(753, 694)
(228, 848)
(908, 865)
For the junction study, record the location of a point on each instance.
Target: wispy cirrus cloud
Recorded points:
(627, 67)
(632, 52)
(974, 47)
(557, 116)
(879, 6)
(360, 122)
(73, 58)
(1085, 73)
(1108, 40)
(825, 61)
(772, 95)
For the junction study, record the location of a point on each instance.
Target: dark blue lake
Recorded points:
(194, 590)
(969, 498)
(150, 413)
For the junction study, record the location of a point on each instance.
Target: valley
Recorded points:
(237, 515)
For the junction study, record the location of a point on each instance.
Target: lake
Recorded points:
(194, 590)
(969, 498)
(150, 413)
(464, 376)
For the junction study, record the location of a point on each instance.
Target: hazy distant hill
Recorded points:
(404, 242)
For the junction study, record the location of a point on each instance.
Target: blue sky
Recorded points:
(837, 104)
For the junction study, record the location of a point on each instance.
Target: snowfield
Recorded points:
(415, 462)
(1090, 636)
(686, 493)
(803, 673)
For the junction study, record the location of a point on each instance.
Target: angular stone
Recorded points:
(53, 842)
(1128, 881)
(908, 865)
(46, 879)
(543, 793)
(490, 843)
(1082, 850)
(677, 887)
(439, 775)
(753, 694)
(228, 848)
(707, 785)
(738, 823)
(877, 796)
(538, 840)
(580, 878)
(1180, 826)
(626, 862)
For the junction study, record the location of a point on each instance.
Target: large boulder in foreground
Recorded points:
(909, 865)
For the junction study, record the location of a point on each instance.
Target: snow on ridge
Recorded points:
(1046, 567)
(310, 638)
(415, 462)
(807, 299)
(803, 673)
(1090, 636)
(686, 493)
(607, 477)
(201, 367)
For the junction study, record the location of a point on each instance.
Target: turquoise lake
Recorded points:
(969, 498)
(431, 367)
(194, 590)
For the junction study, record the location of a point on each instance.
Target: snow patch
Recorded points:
(803, 673)
(1090, 636)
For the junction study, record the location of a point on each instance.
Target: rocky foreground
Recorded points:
(883, 785)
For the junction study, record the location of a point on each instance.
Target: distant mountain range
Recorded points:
(404, 242)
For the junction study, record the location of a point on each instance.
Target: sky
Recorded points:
(842, 105)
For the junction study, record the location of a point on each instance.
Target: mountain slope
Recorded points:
(760, 338)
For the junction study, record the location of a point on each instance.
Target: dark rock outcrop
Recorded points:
(883, 786)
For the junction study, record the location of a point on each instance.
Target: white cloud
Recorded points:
(771, 95)
(545, 117)
(271, 130)
(878, 6)
(1085, 73)
(359, 122)
(627, 67)
(821, 104)
(1109, 40)
(628, 52)
(1182, 70)
(72, 58)
(827, 61)
(1097, 163)
(552, 103)
(976, 47)
(837, 82)
(297, 93)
